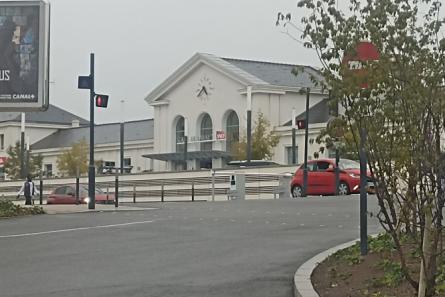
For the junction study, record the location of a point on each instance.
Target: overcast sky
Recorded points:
(139, 43)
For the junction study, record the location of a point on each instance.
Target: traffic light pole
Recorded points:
(91, 169)
(306, 141)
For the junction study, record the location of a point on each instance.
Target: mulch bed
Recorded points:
(349, 275)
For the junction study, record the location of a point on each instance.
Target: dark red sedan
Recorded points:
(321, 178)
(66, 194)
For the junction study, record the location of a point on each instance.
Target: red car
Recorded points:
(321, 178)
(67, 195)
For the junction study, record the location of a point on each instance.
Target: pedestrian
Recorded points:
(29, 190)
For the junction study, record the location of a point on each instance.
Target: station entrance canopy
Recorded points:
(179, 156)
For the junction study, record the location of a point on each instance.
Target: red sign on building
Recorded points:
(220, 135)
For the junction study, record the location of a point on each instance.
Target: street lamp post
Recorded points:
(22, 146)
(249, 125)
(306, 141)
(122, 128)
(294, 150)
(185, 142)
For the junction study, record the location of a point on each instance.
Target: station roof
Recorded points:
(104, 133)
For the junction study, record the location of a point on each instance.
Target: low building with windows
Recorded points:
(138, 140)
(38, 125)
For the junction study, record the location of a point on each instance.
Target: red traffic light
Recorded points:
(301, 124)
(102, 101)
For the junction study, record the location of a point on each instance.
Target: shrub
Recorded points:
(9, 209)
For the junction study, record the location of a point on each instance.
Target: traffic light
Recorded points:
(301, 124)
(101, 100)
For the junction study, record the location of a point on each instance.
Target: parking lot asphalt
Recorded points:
(232, 248)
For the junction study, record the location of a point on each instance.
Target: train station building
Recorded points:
(205, 102)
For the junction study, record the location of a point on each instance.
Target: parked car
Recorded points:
(66, 194)
(321, 178)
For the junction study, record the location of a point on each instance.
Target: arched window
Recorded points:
(206, 133)
(232, 130)
(180, 135)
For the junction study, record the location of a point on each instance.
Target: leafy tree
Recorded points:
(263, 142)
(74, 159)
(399, 101)
(33, 164)
(338, 135)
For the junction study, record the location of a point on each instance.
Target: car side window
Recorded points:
(60, 190)
(322, 166)
(312, 166)
(70, 191)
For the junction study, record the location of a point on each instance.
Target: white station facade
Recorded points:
(207, 99)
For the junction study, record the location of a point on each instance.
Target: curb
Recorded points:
(302, 278)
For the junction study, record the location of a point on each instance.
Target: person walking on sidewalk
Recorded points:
(29, 190)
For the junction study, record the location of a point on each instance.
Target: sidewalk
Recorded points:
(72, 208)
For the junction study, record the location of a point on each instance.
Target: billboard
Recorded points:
(24, 55)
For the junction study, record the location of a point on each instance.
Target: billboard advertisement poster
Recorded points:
(24, 49)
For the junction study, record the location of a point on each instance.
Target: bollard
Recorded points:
(108, 190)
(134, 194)
(193, 191)
(162, 192)
(116, 191)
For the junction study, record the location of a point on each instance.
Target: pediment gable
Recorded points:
(194, 63)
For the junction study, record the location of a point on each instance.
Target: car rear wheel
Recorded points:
(343, 189)
(297, 192)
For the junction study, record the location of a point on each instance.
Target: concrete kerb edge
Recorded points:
(302, 278)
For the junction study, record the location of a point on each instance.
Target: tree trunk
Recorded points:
(426, 247)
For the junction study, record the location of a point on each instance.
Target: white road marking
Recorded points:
(74, 229)
(249, 222)
(322, 226)
(340, 226)
(302, 225)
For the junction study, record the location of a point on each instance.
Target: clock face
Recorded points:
(205, 88)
